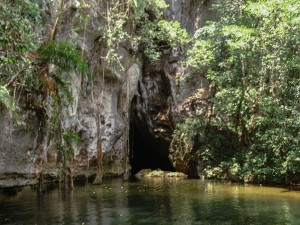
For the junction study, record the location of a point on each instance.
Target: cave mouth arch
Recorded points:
(146, 151)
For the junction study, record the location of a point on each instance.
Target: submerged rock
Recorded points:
(160, 173)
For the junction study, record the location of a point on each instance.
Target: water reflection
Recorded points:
(153, 201)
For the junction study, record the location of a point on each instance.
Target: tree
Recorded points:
(251, 55)
(18, 23)
(25, 63)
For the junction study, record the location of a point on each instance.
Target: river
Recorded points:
(153, 201)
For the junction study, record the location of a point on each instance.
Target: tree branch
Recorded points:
(13, 80)
(54, 28)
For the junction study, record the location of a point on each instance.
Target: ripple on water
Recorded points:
(154, 201)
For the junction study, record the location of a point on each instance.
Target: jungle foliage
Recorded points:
(140, 23)
(25, 59)
(26, 55)
(18, 21)
(251, 56)
(35, 68)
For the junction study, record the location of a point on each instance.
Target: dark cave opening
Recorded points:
(146, 151)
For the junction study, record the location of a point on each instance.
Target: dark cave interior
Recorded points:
(146, 151)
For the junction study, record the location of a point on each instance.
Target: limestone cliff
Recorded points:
(166, 97)
(143, 101)
(99, 113)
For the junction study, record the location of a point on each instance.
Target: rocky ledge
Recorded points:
(160, 173)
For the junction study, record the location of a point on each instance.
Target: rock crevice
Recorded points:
(125, 118)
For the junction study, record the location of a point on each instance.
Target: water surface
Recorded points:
(154, 201)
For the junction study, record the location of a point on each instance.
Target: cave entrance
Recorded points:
(146, 151)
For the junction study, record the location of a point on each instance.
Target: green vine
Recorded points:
(65, 148)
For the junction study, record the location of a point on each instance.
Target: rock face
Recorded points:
(192, 14)
(99, 113)
(183, 151)
(143, 101)
(152, 123)
(17, 152)
(165, 98)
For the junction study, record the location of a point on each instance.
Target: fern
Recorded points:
(65, 56)
(65, 150)
(62, 54)
(69, 136)
(64, 89)
(6, 99)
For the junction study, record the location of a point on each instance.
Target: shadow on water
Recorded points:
(11, 191)
(152, 201)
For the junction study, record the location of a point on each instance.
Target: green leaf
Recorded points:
(6, 99)
(62, 54)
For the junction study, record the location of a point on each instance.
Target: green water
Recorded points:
(154, 201)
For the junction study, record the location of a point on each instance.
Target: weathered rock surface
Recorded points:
(192, 14)
(152, 124)
(17, 151)
(166, 96)
(99, 113)
(153, 96)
